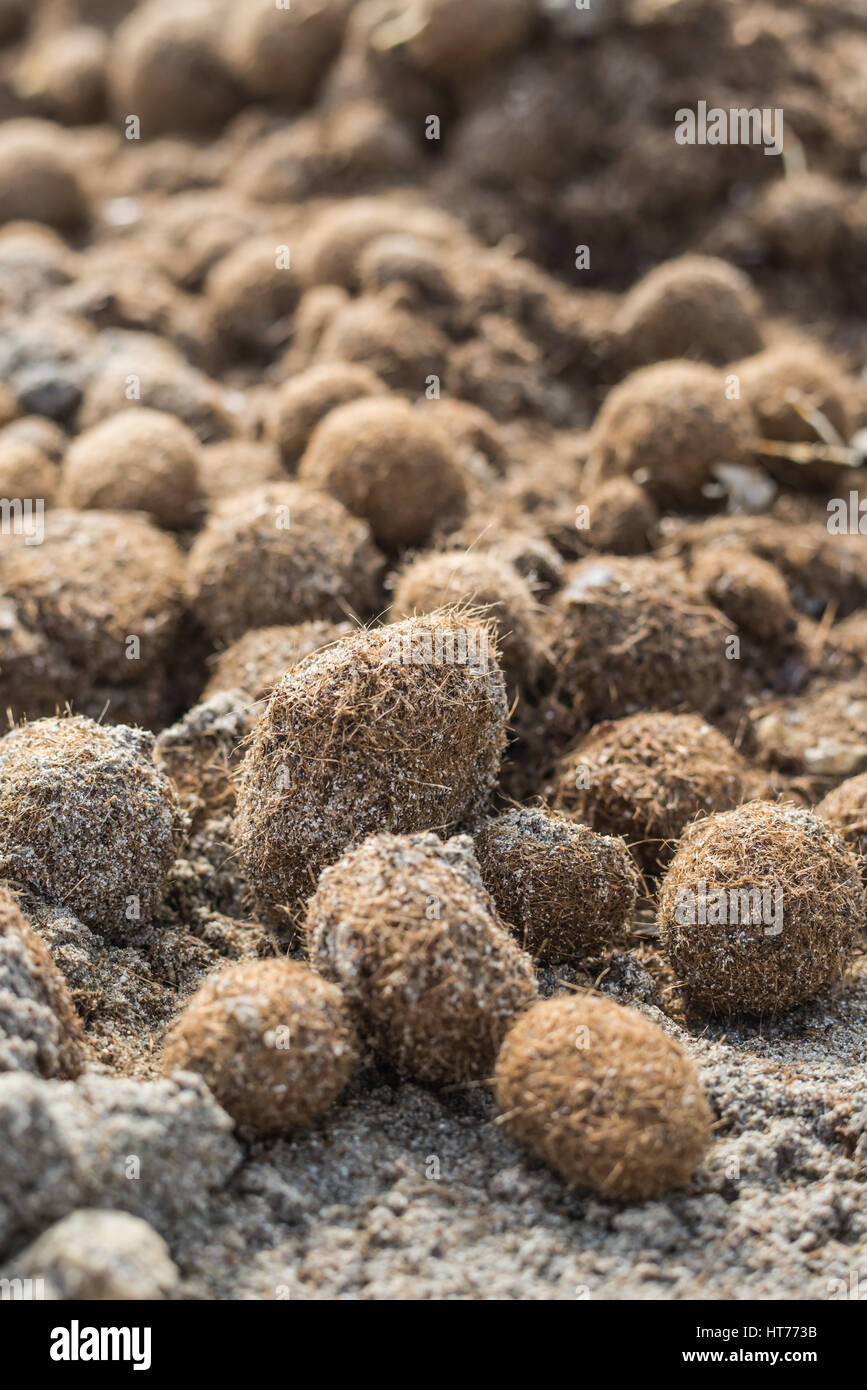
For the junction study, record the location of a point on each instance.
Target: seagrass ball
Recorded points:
(38, 178)
(604, 1097)
(256, 661)
(403, 924)
(37, 1016)
(760, 909)
(689, 307)
(274, 1042)
(845, 810)
(306, 399)
(137, 461)
(563, 889)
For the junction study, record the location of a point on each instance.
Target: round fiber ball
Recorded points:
(692, 306)
(454, 40)
(803, 218)
(301, 403)
(623, 519)
(385, 462)
(25, 471)
(667, 426)
(137, 461)
(405, 927)
(284, 52)
(771, 379)
(796, 883)
(257, 660)
(402, 348)
(88, 821)
(65, 74)
(202, 749)
(273, 1041)
(604, 1097)
(631, 633)
(564, 889)
(398, 728)
(166, 68)
(648, 776)
(845, 810)
(43, 434)
(281, 554)
(439, 578)
(237, 465)
(39, 1028)
(252, 293)
(748, 590)
(38, 181)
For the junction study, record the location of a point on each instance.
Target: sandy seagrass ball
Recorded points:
(760, 909)
(404, 925)
(604, 1097)
(274, 1042)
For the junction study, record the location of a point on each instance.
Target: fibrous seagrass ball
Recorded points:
(648, 776)
(631, 633)
(91, 616)
(252, 293)
(564, 889)
(137, 461)
(65, 74)
(306, 399)
(281, 554)
(693, 307)
(404, 349)
(42, 433)
(437, 579)
(25, 471)
(385, 462)
(398, 728)
(623, 519)
(200, 751)
(87, 821)
(39, 1028)
(237, 465)
(667, 426)
(166, 67)
(403, 924)
(282, 51)
(455, 40)
(257, 660)
(760, 909)
(748, 590)
(845, 809)
(798, 394)
(274, 1042)
(604, 1097)
(38, 180)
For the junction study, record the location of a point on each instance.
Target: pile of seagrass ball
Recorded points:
(372, 573)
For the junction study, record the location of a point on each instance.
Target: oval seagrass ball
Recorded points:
(274, 1042)
(403, 924)
(603, 1096)
(87, 820)
(760, 909)
(398, 728)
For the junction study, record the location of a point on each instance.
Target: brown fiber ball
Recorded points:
(88, 821)
(399, 728)
(274, 1043)
(136, 461)
(693, 307)
(337, 240)
(604, 1097)
(306, 399)
(65, 74)
(25, 471)
(403, 924)
(257, 660)
(38, 431)
(202, 749)
(252, 293)
(38, 181)
(283, 52)
(564, 889)
(845, 810)
(237, 465)
(751, 592)
(795, 881)
(166, 67)
(784, 386)
(281, 554)
(71, 606)
(439, 578)
(402, 348)
(38, 1022)
(385, 462)
(666, 426)
(455, 40)
(628, 634)
(623, 519)
(647, 777)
